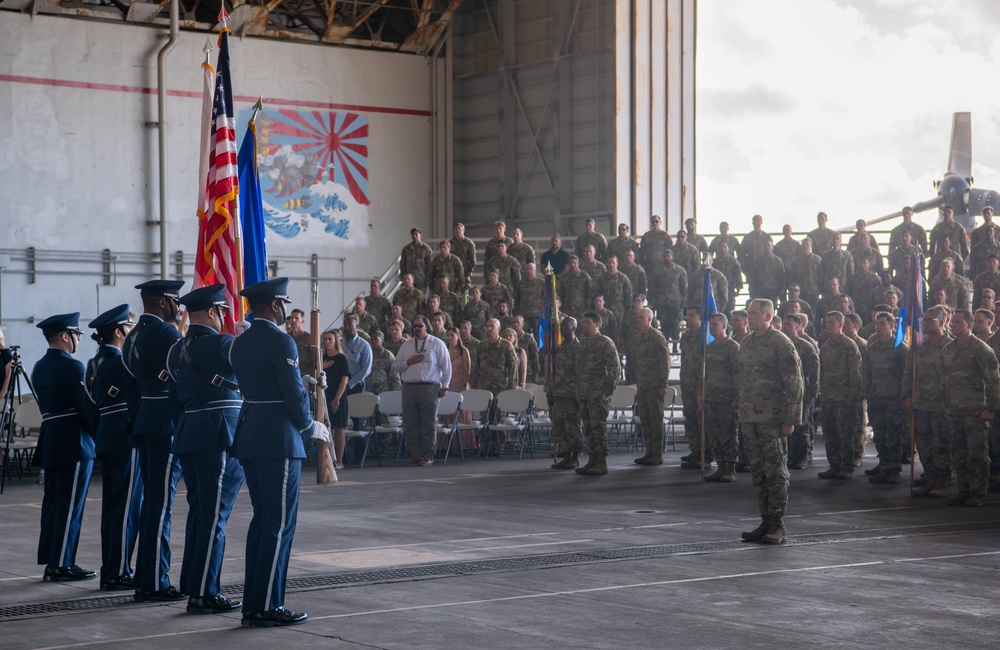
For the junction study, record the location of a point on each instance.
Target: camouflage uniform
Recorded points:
(527, 343)
(896, 258)
(787, 249)
(597, 375)
(412, 302)
(840, 383)
(477, 313)
(575, 292)
(839, 263)
(596, 271)
(687, 256)
(523, 253)
(652, 245)
(416, 260)
(493, 295)
(506, 322)
(770, 279)
(722, 360)
(668, 289)
(985, 280)
(617, 292)
(451, 305)
(800, 443)
(718, 240)
(472, 345)
(978, 257)
(822, 238)
(530, 299)
(620, 246)
(637, 276)
(959, 265)
(955, 232)
(956, 295)
(610, 326)
(730, 268)
(720, 289)
(509, 270)
(392, 346)
(597, 240)
(918, 236)
(883, 389)
(751, 251)
(379, 307)
(496, 368)
(770, 377)
(448, 267)
(874, 257)
(972, 384)
(805, 271)
(862, 289)
(930, 423)
(690, 387)
(368, 323)
(465, 250)
(383, 377)
(629, 332)
(491, 254)
(862, 406)
(307, 360)
(650, 362)
(564, 409)
(979, 235)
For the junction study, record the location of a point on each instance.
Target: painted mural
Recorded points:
(313, 169)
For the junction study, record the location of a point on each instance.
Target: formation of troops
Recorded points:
(818, 335)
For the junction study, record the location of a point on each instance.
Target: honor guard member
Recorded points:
(597, 370)
(108, 383)
(65, 447)
(563, 404)
(273, 424)
(153, 427)
(205, 388)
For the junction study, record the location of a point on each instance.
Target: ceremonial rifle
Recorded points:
(325, 471)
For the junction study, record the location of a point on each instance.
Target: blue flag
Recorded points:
(912, 312)
(252, 212)
(707, 308)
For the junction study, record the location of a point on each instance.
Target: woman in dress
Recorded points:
(337, 374)
(461, 364)
(510, 336)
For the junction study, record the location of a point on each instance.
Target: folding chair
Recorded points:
(672, 401)
(513, 406)
(364, 407)
(477, 403)
(390, 404)
(541, 419)
(622, 411)
(23, 441)
(448, 410)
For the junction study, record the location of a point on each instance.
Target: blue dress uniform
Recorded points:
(65, 450)
(269, 442)
(205, 386)
(109, 386)
(153, 427)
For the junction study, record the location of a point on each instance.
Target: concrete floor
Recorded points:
(511, 554)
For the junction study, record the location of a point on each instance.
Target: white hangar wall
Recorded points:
(79, 166)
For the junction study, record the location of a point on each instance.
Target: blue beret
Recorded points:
(204, 298)
(60, 323)
(157, 288)
(274, 289)
(112, 318)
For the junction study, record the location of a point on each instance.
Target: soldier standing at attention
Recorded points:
(477, 311)
(787, 248)
(65, 447)
(409, 297)
(446, 265)
(686, 254)
(520, 251)
(884, 379)
(636, 274)
(669, 285)
(770, 276)
(972, 390)
(595, 239)
(724, 238)
(107, 383)
(917, 233)
(415, 259)
(696, 240)
(752, 250)
(529, 298)
(852, 325)
(800, 443)
(590, 265)
(770, 407)
(804, 270)
(948, 227)
(840, 383)
(654, 243)
(649, 355)
(507, 268)
(465, 249)
(491, 246)
(384, 377)
(274, 422)
(622, 244)
(617, 291)
(496, 365)
(377, 304)
(575, 289)
(205, 387)
(153, 426)
(561, 392)
(720, 399)
(597, 370)
(821, 236)
(526, 341)
(690, 386)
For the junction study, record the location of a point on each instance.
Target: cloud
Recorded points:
(755, 98)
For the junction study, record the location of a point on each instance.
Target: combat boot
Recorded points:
(874, 471)
(881, 477)
(893, 477)
(939, 487)
(600, 466)
(921, 490)
(717, 474)
(569, 461)
(649, 459)
(975, 502)
(742, 466)
(757, 533)
(591, 459)
(729, 475)
(695, 463)
(830, 472)
(687, 458)
(958, 499)
(776, 533)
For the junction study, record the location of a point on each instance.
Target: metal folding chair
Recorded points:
(448, 410)
(364, 407)
(513, 406)
(477, 403)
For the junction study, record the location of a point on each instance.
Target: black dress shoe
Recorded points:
(67, 574)
(274, 618)
(121, 583)
(217, 604)
(162, 596)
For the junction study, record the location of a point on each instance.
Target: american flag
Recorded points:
(219, 233)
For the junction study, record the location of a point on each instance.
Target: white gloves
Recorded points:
(242, 326)
(322, 380)
(320, 432)
(309, 380)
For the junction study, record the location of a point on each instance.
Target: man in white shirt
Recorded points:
(424, 366)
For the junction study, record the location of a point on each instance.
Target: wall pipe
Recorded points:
(161, 126)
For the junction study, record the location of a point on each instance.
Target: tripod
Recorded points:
(7, 425)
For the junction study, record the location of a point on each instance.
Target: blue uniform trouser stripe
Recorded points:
(65, 495)
(159, 470)
(120, 503)
(273, 484)
(212, 480)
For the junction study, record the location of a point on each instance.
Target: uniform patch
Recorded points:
(293, 362)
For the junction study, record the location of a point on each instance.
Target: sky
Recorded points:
(843, 106)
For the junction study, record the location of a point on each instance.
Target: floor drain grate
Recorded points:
(549, 560)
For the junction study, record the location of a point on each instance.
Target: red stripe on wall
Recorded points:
(88, 85)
